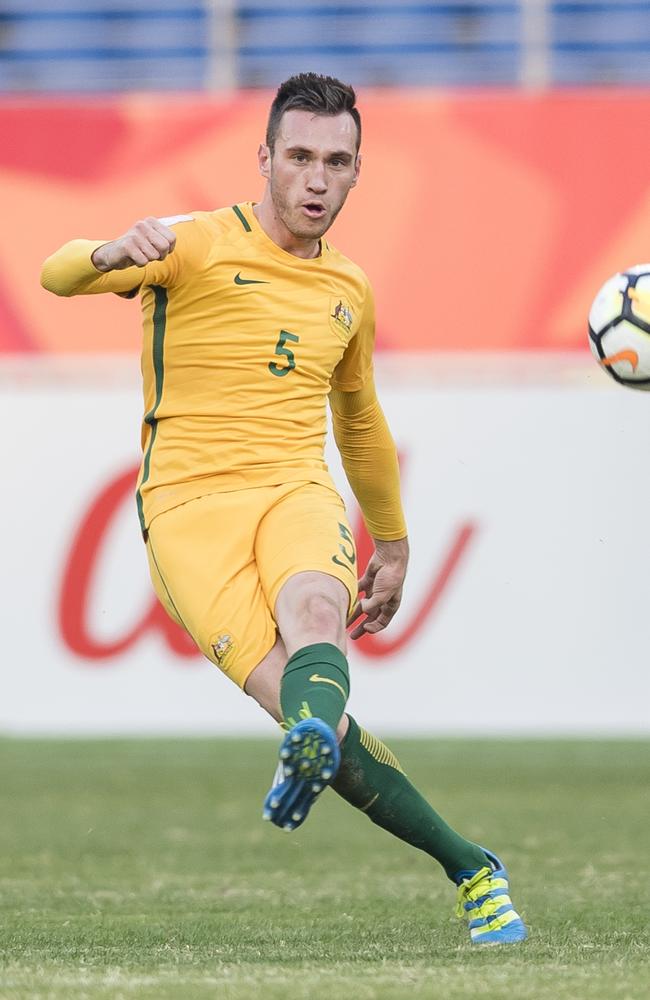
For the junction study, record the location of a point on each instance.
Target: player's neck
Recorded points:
(276, 230)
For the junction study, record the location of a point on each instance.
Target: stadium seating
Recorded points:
(116, 45)
(103, 45)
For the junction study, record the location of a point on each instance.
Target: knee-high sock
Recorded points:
(370, 778)
(315, 683)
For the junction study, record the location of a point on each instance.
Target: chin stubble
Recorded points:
(283, 212)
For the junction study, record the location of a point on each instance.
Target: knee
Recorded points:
(319, 613)
(312, 608)
(316, 616)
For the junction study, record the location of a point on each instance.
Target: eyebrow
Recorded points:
(341, 154)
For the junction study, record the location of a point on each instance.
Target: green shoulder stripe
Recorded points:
(242, 218)
(159, 324)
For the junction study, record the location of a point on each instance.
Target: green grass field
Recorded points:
(142, 869)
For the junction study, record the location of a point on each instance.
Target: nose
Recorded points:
(317, 179)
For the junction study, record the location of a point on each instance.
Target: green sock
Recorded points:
(370, 778)
(316, 684)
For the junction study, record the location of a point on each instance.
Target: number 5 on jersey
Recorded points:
(282, 351)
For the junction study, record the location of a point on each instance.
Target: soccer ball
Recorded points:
(619, 327)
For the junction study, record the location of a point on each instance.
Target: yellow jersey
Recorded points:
(242, 343)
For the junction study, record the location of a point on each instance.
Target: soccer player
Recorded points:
(252, 320)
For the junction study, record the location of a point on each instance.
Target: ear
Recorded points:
(264, 160)
(357, 169)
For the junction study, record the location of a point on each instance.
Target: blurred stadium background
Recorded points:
(505, 176)
(106, 45)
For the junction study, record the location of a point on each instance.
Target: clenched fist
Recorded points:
(147, 240)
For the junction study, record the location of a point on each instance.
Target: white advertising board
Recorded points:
(526, 608)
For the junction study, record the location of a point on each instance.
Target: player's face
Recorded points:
(313, 167)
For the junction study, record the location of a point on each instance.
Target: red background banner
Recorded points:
(485, 221)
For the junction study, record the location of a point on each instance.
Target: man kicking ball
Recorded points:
(252, 320)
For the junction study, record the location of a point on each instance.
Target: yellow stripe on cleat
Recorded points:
(494, 925)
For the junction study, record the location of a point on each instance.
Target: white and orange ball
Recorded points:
(619, 327)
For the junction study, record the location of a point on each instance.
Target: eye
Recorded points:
(300, 157)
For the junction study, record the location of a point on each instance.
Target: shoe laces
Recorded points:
(481, 889)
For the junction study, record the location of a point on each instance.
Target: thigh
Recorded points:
(305, 530)
(203, 569)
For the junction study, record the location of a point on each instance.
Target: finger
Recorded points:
(376, 624)
(160, 242)
(379, 623)
(377, 608)
(360, 629)
(356, 613)
(161, 228)
(130, 256)
(146, 234)
(369, 618)
(367, 580)
(146, 247)
(375, 601)
(161, 237)
(357, 632)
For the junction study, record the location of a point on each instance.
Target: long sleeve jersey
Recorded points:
(243, 343)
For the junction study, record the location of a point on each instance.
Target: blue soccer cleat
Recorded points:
(309, 760)
(483, 898)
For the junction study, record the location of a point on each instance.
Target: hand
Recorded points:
(145, 241)
(382, 585)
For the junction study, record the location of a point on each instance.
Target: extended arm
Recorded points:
(87, 267)
(371, 466)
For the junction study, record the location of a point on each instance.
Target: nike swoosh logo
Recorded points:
(630, 356)
(317, 679)
(249, 281)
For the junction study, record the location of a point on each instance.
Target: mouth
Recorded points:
(313, 209)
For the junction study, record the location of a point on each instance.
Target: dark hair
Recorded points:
(324, 95)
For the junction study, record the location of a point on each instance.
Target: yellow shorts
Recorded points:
(218, 562)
